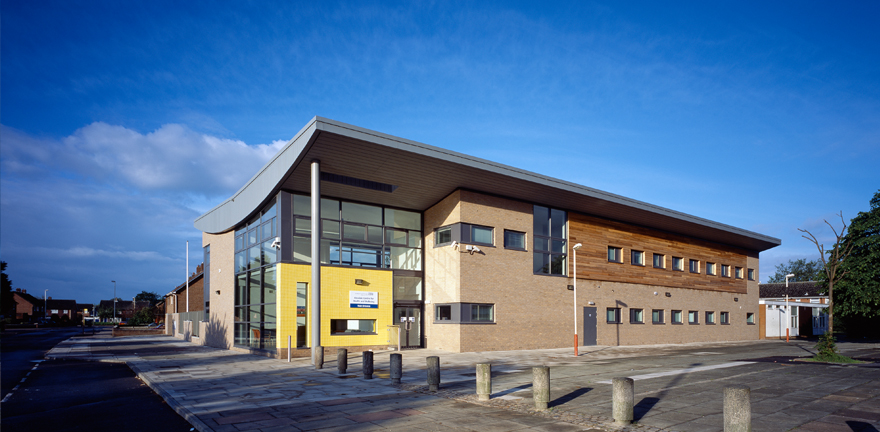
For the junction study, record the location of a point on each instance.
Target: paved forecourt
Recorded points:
(677, 387)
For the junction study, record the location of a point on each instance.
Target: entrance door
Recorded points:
(410, 321)
(590, 326)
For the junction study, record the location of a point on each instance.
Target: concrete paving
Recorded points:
(677, 387)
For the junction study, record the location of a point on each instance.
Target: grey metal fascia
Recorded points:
(351, 131)
(248, 199)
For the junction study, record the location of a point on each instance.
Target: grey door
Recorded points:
(589, 326)
(410, 321)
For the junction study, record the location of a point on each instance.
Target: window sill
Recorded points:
(477, 323)
(615, 262)
(640, 323)
(516, 249)
(612, 322)
(693, 323)
(725, 323)
(354, 334)
(638, 265)
(658, 323)
(677, 323)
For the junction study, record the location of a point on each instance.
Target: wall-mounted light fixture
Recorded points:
(668, 294)
(218, 292)
(571, 287)
(358, 281)
(736, 299)
(591, 303)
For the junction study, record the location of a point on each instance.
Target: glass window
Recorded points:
(676, 317)
(270, 254)
(636, 316)
(352, 326)
(329, 209)
(710, 317)
(415, 239)
(615, 254)
(612, 315)
(657, 316)
(443, 236)
(403, 219)
(550, 243)
(360, 255)
(637, 258)
(739, 272)
(239, 243)
(269, 212)
(354, 232)
(659, 261)
(694, 266)
(401, 258)
(693, 317)
(302, 249)
(750, 318)
(677, 264)
(481, 235)
(361, 213)
(725, 317)
(751, 274)
(301, 301)
(374, 234)
(514, 240)
(407, 288)
(394, 236)
(444, 313)
(302, 205)
(330, 229)
(254, 257)
(725, 270)
(481, 312)
(710, 269)
(302, 226)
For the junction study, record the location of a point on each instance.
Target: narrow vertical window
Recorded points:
(550, 250)
(615, 254)
(659, 261)
(637, 258)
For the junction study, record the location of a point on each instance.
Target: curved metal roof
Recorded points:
(426, 174)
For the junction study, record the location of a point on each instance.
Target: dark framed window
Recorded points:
(444, 313)
(751, 274)
(482, 313)
(550, 250)
(637, 258)
(443, 236)
(482, 235)
(612, 315)
(710, 317)
(710, 269)
(659, 261)
(615, 254)
(738, 271)
(636, 316)
(657, 316)
(725, 318)
(345, 327)
(750, 318)
(725, 270)
(254, 312)
(676, 317)
(693, 317)
(678, 264)
(694, 266)
(514, 240)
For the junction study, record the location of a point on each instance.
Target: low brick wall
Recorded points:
(137, 331)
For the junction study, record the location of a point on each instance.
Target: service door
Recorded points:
(590, 322)
(410, 321)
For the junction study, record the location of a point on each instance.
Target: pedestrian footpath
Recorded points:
(677, 387)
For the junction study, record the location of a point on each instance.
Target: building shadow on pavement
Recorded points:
(643, 407)
(858, 426)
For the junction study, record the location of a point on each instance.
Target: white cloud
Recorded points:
(171, 158)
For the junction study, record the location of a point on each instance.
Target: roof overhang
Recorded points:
(426, 174)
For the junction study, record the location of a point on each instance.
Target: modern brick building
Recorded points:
(459, 253)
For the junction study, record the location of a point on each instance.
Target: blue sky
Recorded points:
(124, 121)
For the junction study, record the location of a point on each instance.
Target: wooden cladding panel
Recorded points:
(597, 235)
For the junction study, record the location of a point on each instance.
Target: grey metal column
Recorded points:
(316, 259)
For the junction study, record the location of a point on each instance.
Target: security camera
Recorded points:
(476, 249)
(469, 248)
(276, 244)
(454, 245)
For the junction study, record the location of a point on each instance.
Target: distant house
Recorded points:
(177, 301)
(61, 308)
(804, 314)
(27, 307)
(125, 309)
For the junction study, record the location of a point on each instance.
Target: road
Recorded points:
(74, 395)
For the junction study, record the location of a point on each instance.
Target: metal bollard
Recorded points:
(341, 360)
(541, 386)
(433, 373)
(737, 408)
(319, 358)
(484, 381)
(368, 365)
(288, 348)
(622, 400)
(396, 368)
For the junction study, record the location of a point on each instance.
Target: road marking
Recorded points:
(682, 371)
(8, 395)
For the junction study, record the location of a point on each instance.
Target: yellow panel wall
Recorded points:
(336, 283)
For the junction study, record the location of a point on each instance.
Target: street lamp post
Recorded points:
(114, 300)
(574, 255)
(45, 305)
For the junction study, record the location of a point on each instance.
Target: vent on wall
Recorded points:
(356, 182)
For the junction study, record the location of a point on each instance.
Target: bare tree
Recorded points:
(832, 264)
